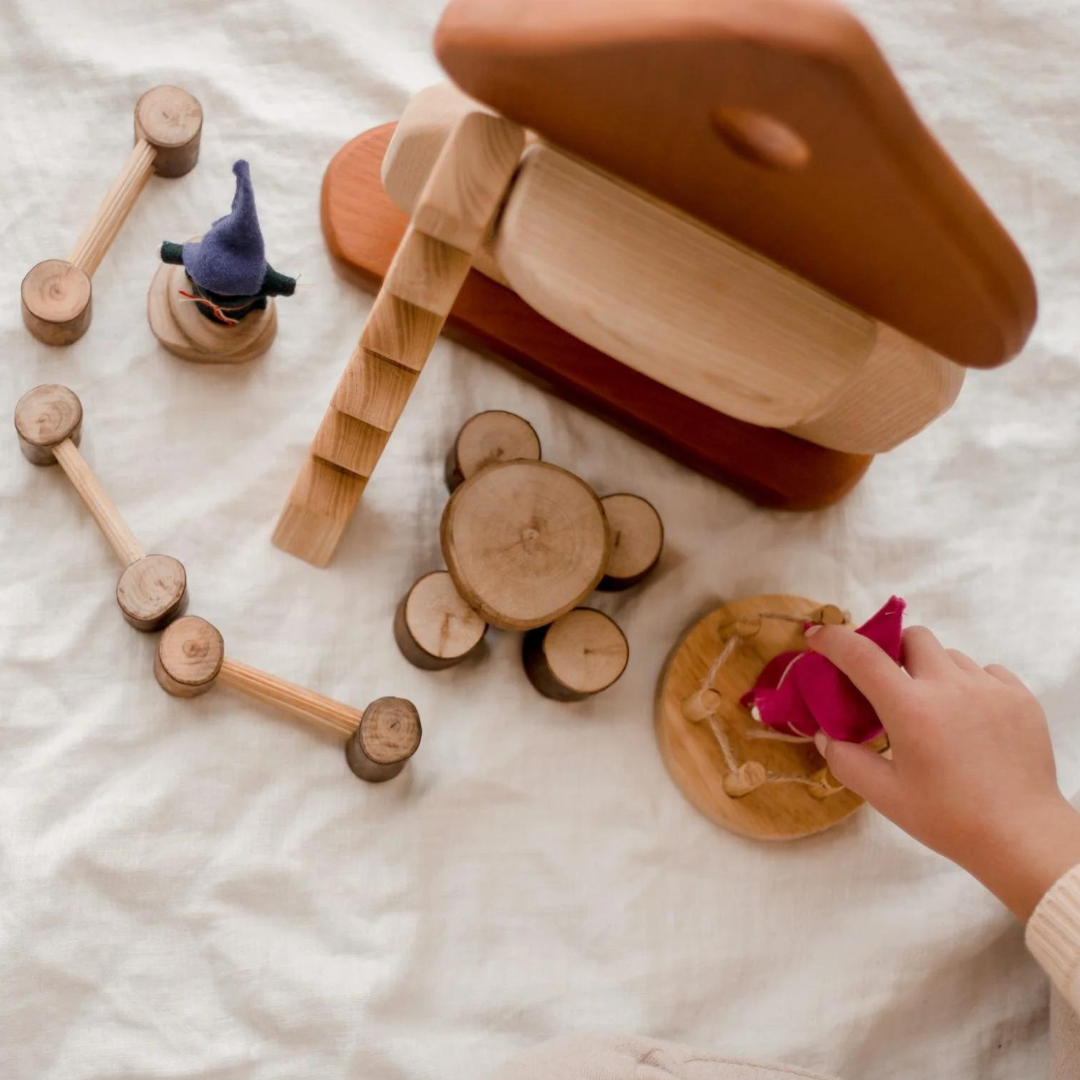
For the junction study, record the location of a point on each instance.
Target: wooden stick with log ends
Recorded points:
(152, 590)
(56, 293)
(380, 739)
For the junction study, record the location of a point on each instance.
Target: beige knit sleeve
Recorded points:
(1053, 935)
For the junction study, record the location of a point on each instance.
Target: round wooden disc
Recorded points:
(152, 592)
(189, 657)
(56, 301)
(434, 627)
(44, 417)
(488, 438)
(171, 120)
(637, 538)
(389, 734)
(186, 333)
(525, 542)
(579, 654)
(774, 811)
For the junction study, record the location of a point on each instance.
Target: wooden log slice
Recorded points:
(44, 418)
(389, 734)
(578, 655)
(637, 539)
(170, 120)
(434, 627)
(525, 542)
(152, 592)
(56, 301)
(740, 799)
(189, 657)
(486, 439)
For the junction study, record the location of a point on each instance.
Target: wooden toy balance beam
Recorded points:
(191, 659)
(152, 590)
(56, 293)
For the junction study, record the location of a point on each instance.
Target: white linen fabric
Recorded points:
(199, 889)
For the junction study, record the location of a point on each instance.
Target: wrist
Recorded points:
(1022, 856)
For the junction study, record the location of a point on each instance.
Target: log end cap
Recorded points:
(44, 418)
(56, 298)
(152, 592)
(189, 657)
(389, 734)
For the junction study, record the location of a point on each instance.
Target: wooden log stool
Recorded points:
(525, 542)
(434, 627)
(152, 590)
(380, 739)
(580, 654)
(739, 774)
(56, 293)
(637, 539)
(486, 439)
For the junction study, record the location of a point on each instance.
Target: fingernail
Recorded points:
(821, 741)
(812, 629)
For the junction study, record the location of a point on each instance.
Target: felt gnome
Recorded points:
(212, 298)
(227, 268)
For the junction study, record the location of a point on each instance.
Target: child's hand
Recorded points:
(972, 774)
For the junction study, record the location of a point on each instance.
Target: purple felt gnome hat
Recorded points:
(231, 258)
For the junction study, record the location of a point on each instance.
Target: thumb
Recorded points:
(859, 768)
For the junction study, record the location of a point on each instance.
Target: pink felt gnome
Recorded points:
(802, 692)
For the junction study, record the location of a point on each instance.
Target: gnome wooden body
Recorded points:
(212, 299)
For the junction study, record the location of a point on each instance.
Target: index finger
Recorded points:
(866, 664)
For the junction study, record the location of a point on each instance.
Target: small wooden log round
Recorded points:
(177, 324)
(170, 119)
(637, 539)
(56, 301)
(701, 705)
(389, 734)
(434, 627)
(44, 418)
(189, 657)
(486, 439)
(694, 758)
(152, 592)
(749, 776)
(525, 542)
(578, 655)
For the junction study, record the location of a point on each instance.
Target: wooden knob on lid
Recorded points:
(170, 120)
(434, 627)
(525, 542)
(389, 734)
(56, 301)
(44, 418)
(637, 539)
(578, 655)
(152, 592)
(189, 657)
(487, 439)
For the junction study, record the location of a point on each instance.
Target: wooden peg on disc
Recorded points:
(380, 739)
(525, 542)
(637, 539)
(152, 590)
(580, 654)
(434, 627)
(487, 439)
(56, 293)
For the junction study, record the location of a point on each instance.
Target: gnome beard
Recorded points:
(802, 693)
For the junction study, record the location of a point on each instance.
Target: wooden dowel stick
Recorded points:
(379, 740)
(296, 700)
(56, 293)
(97, 237)
(104, 511)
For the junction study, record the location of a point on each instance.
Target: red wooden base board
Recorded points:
(363, 227)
